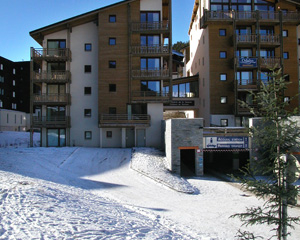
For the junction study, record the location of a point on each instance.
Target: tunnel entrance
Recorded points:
(187, 162)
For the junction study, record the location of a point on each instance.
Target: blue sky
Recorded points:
(19, 17)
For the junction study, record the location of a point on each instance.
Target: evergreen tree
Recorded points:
(276, 138)
(180, 45)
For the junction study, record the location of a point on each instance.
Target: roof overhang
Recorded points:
(294, 1)
(194, 14)
(38, 35)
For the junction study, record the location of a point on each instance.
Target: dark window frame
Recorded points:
(226, 99)
(112, 64)
(220, 56)
(87, 112)
(112, 41)
(87, 68)
(112, 87)
(108, 134)
(220, 32)
(286, 55)
(88, 135)
(88, 47)
(87, 90)
(223, 74)
(112, 18)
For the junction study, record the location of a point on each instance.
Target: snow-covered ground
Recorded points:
(90, 193)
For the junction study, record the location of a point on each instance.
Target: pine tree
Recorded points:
(276, 138)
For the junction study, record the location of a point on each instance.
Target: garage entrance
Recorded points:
(224, 161)
(187, 162)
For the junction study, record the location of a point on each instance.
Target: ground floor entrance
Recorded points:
(187, 162)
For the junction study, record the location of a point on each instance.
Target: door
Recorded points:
(130, 137)
(140, 138)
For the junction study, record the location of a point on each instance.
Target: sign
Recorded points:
(182, 103)
(248, 62)
(227, 142)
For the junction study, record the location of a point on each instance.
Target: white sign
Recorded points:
(227, 142)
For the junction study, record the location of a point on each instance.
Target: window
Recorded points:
(222, 32)
(223, 54)
(88, 47)
(1, 66)
(287, 78)
(285, 33)
(298, 41)
(1, 103)
(112, 18)
(87, 91)
(223, 100)
(108, 134)
(112, 87)
(150, 16)
(224, 122)
(87, 68)
(14, 94)
(151, 87)
(56, 137)
(244, 52)
(1, 80)
(223, 77)
(112, 110)
(286, 99)
(88, 135)
(14, 106)
(14, 71)
(14, 82)
(150, 63)
(150, 40)
(285, 55)
(87, 112)
(112, 64)
(112, 41)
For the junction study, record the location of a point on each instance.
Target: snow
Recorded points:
(91, 193)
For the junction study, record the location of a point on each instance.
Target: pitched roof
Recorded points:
(38, 34)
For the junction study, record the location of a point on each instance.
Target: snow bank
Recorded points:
(151, 162)
(18, 139)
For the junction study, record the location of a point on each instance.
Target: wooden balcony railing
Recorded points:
(245, 110)
(150, 26)
(262, 16)
(150, 96)
(48, 77)
(246, 84)
(158, 74)
(252, 39)
(52, 98)
(59, 54)
(124, 119)
(47, 121)
(270, 62)
(156, 49)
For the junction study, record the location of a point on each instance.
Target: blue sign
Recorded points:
(248, 62)
(227, 142)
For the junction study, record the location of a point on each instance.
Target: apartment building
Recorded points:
(233, 45)
(100, 79)
(14, 85)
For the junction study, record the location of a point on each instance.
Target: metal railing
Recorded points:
(150, 26)
(252, 39)
(109, 119)
(159, 73)
(150, 96)
(269, 16)
(245, 82)
(52, 98)
(51, 120)
(52, 53)
(155, 49)
(54, 76)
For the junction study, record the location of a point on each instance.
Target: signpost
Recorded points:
(226, 142)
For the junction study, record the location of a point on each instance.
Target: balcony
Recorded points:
(124, 120)
(150, 27)
(149, 96)
(150, 50)
(40, 99)
(53, 121)
(151, 74)
(51, 77)
(270, 62)
(51, 54)
(246, 85)
(265, 40)
(249, 16)
(246, 111)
